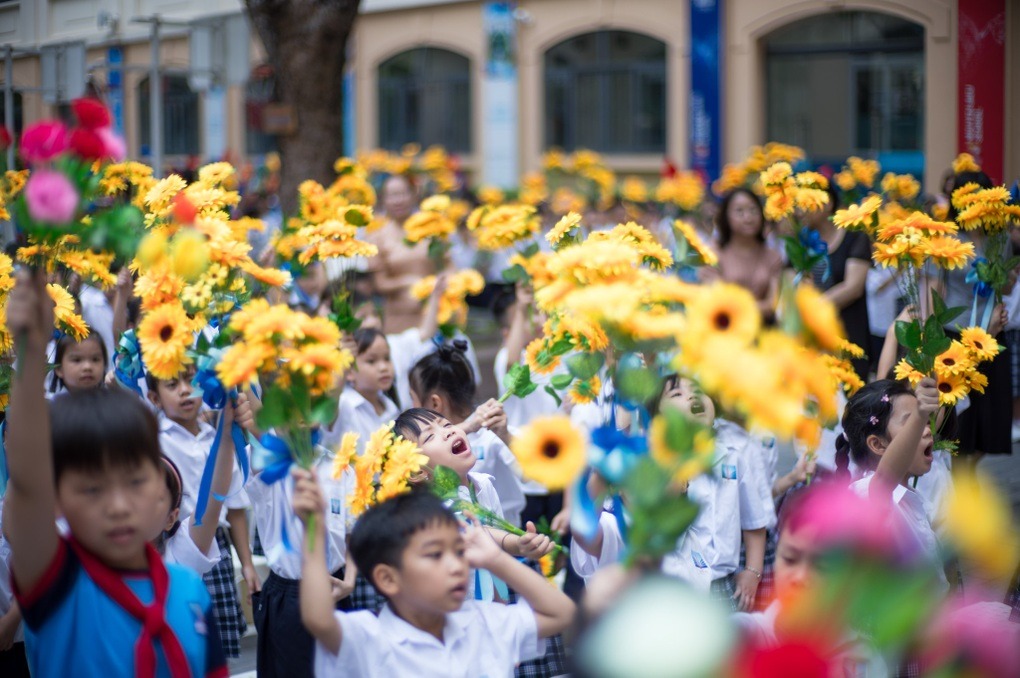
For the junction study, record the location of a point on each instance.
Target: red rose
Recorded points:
(43, 141)
(184, 210)
(87, 145)
(5, 138)
(795, 658)
(91, 113)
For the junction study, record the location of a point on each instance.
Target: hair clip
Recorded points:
(885, 398)
(873, 420)
(844, 436)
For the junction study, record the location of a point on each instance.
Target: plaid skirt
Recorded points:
(555, 661)
(226, 608)
(722, 589)
(364, 597)
(767, 586)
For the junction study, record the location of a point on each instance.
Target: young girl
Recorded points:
(446, 444)
(187, 439)
(96, 602)
(78, 365)
(731, 508)
(444, 382)
(368, 402)
(886, 433)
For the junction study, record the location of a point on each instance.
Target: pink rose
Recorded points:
(115, 149)
(43, 141)
(50, 196)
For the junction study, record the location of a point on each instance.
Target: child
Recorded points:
(886, 433)
(187, 439)
(444, 382)
(78, 365)
(731, 508)
(368, 401)
(284, 647)
(95, 602)
(13, 662)
(415, 553)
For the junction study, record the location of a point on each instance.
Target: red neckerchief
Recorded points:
(154, 626)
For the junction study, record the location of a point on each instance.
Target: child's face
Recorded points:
(374, 369)
(82, 365)
(446, 444)
(175, 397)
(796, 562)
(369, 316)
(902, 407)
(683, 394)
(114, 512)
(433, 573)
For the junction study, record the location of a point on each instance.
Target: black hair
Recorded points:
(65, 342)
(410, 422)
(722, 221)
(667, 383)
(961, 180)
(446, 371)
(867, 413)
(383, 532)
(833, 193)
(501, 305)
(365, 337)
(99, 428)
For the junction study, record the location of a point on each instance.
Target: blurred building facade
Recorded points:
(910, 82)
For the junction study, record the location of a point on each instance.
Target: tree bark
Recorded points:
(306, 42)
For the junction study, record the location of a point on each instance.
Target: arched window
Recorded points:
(180, 117)
(18, 114)
(425, 98)
(848, 83)
(606, 91)
(259, 92)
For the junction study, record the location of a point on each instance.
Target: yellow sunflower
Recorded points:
(708, 256)
(955, 360)
(722, 310)
(905, 371)
(684, 465)
(585, 390)
(851, 349)
(819, 317)
(951, 388)
(537, 361)
(977, 521)
(861, 215)
(346, 455)
(965, 163)
(948, 252)
(165, 335)
(551, 451)
(981, 344)
(976, 381)
(240, 364)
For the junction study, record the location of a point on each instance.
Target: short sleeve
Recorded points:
(236, 497)
(183, 550)
(359, 639)
(859, 246)
(515, 627)
(753, 515)
(53, 587)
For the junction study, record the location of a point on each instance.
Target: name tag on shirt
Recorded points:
(336, 506)
(729, 471)
(699, 560)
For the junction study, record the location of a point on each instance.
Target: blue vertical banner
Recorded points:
(350, 142)
(704, 139)
(499, 96)
(115, 87)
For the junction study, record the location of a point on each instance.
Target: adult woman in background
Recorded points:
(744, 256)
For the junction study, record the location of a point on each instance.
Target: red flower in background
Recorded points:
(87, 144)
(91, 113)
(184, 210)
(5, 138)
(794, 658)
(43, 141)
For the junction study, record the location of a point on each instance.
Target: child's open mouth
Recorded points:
(459, 446)
(697, 407)
(929, 452)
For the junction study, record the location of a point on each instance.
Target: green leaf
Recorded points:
(637, 384)
(518, 380)
(324, 411)
(445, 482)
(585, 365)
(275, 408)
(938, 305)
(908, 334)
(355, 217)
(302, 399)
(561, 381)
(514, 274)
(556, 396)
(951, 314)
(530, 251)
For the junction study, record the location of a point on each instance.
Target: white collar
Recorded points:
(167, 425)
(360, 402)
(402, 632)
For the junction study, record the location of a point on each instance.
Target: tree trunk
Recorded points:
(306, 41)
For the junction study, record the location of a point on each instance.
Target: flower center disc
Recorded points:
(550, 450)
(166, 333)
(722, 321)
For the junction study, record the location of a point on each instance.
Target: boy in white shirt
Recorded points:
(418, 556)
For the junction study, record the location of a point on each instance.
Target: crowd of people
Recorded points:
(106, 485)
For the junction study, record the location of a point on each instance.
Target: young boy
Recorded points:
(418, 556)
(187, 439)
(98, 602)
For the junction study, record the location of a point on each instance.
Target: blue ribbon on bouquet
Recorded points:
(5, 473)
(128, 366)
(584, 516)
(487, 586)
(813, 243)
(273, 455)
(982, 290)
(215, 395)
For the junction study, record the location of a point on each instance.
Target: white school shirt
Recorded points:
(910, 507)
(181, 549)
(729, 500)
(584, 563)
(356, 415)
(936, 485)
(274, 513)
(881, 294)
(496, 460)
(98, 315)
(479, 639)
(189, 453)
(6, 592)
(764, 459)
